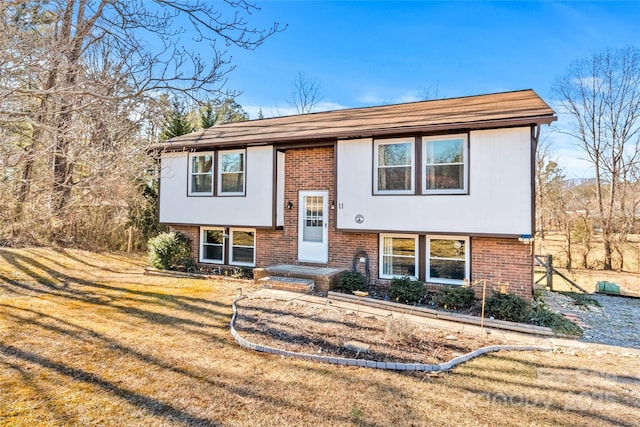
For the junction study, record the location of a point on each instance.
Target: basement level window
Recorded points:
(398, 255)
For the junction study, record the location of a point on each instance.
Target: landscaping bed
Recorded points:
(324, 330)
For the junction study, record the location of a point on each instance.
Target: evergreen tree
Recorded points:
(219, 112)
(177, 124)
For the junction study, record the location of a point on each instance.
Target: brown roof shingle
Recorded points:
(523, 107)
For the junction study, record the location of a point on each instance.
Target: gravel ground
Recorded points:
(615, 323)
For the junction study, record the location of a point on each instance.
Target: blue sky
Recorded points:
(371, 53)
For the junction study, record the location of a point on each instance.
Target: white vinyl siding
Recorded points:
(254, 209)
(498, 199)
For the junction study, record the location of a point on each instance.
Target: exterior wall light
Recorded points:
(526, 238)
(289, 205)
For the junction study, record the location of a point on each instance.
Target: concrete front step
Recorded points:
(293, 284)
(324, 278)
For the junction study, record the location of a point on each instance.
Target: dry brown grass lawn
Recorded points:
(86, 339)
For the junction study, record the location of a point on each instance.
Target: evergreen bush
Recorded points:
(168, 250)
(455, 297)
(507, 307)
(407, 291)
(352, 281)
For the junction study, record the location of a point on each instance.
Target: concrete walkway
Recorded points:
(511, 338)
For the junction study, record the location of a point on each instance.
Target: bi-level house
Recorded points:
(440, 190)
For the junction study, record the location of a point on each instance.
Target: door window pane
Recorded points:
(313, 219)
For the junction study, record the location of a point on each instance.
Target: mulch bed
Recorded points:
(324, 330)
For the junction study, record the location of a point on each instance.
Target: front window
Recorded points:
(212, 245)
(243, 244)
(445, 164)
(448, 259)
(201, 174)
(393, 172)
(398, 256)
(231, 173)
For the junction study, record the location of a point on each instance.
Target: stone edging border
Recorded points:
(372, 363)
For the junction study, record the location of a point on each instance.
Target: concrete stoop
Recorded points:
(323, 278)
(292, 284)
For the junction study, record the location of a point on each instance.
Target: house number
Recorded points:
(359, 219)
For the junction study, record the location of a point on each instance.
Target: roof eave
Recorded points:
(200, 141)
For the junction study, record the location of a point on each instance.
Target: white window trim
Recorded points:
(392, 141)
(201, 256)
(465, 162)
(467, 260)
(231, 232)
(220, 173)
(198, 154)
(416, 257)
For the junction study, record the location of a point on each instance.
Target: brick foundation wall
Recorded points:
(503, 260)
(193, 233)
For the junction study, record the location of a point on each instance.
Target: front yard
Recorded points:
(87, 339)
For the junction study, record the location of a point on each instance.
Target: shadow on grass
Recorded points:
(153, 406)
(588, 399)
(91, 292)
(64, 290)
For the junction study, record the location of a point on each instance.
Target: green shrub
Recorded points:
(507, 307)
(352, 281)
(168, 250)
(455, 297)
(407, 291)
(542, 316)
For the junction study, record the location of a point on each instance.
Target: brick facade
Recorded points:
(193, 234)
(503, 260)
(312, 169)
(496, 259)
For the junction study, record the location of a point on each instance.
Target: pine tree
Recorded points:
(177, 123)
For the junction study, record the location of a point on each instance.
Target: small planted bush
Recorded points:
(407, 291)
(542, 316)
(455, 297)
(168, 250)
(508, 307)
(352, 281)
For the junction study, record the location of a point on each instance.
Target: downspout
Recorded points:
(535, 137)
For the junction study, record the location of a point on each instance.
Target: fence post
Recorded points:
(549, 266)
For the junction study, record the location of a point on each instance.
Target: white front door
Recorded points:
(313, 227)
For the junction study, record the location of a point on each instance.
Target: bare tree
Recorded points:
(305, 94)
(81, 81)
(602, 94)
(549, 180)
